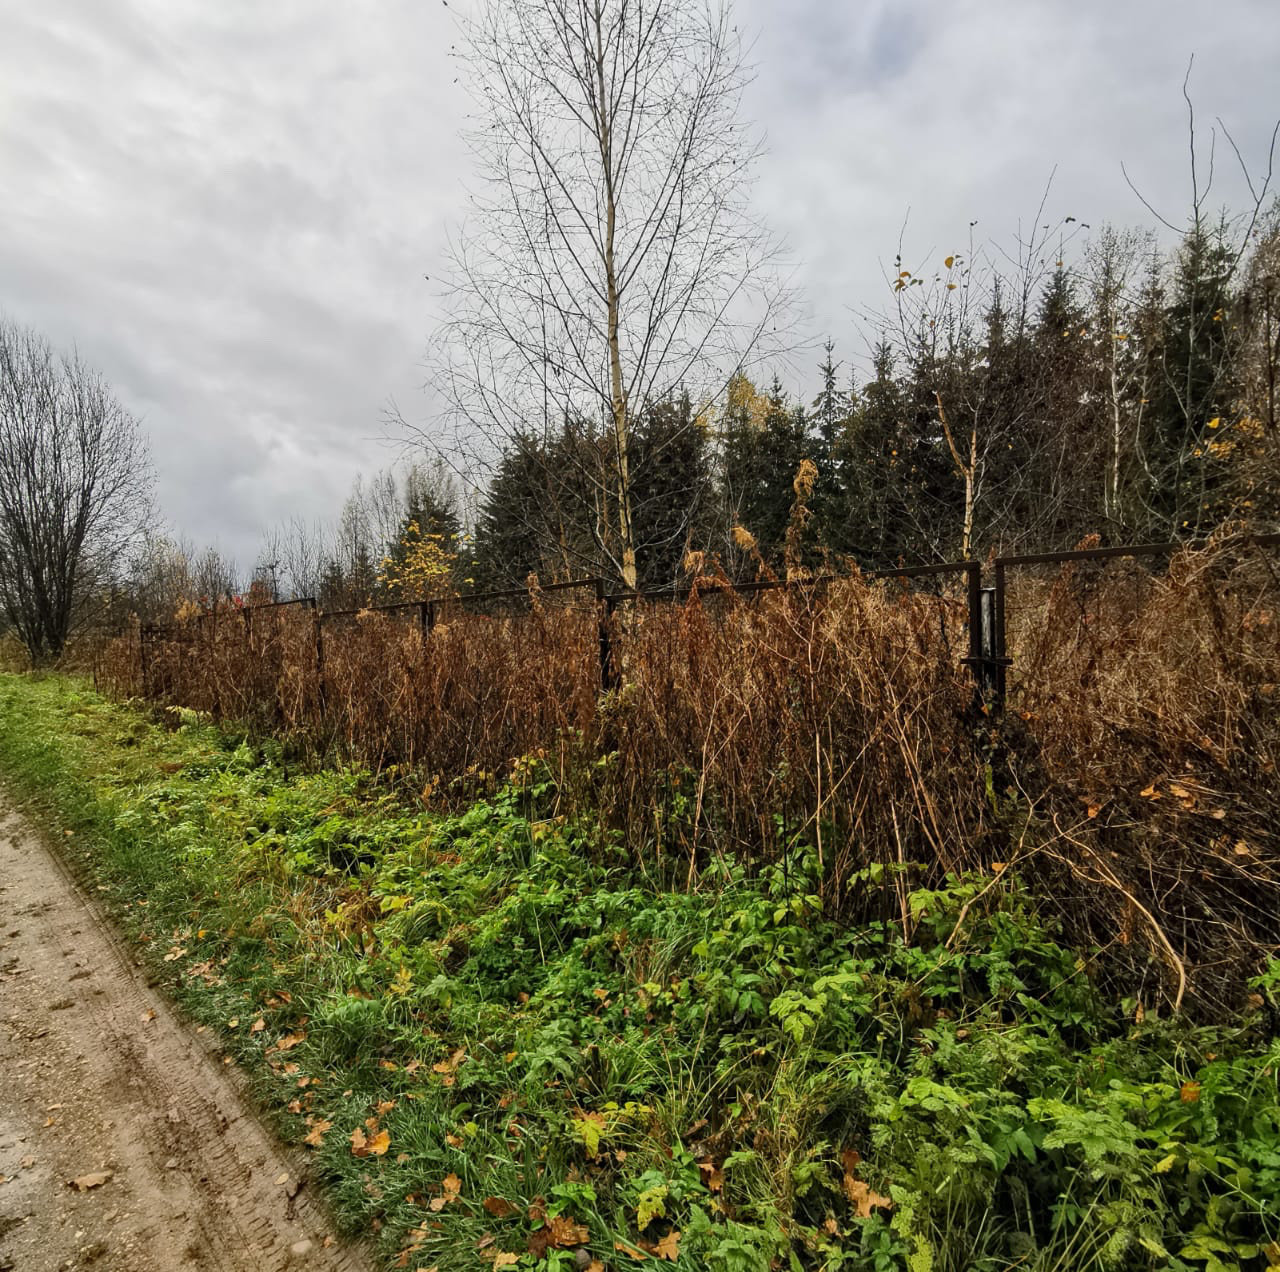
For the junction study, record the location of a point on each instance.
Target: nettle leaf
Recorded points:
(1099, 1135)
(589, 1128)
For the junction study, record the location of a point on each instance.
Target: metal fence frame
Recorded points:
(987, 658)
(992, 667)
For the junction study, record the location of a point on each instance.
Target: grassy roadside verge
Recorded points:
(506, 1049)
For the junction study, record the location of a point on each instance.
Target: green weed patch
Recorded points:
(505, 1047)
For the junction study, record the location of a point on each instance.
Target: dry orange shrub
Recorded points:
(475, 694)
(835, 717)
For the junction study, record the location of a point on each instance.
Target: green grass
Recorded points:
(565, 1057)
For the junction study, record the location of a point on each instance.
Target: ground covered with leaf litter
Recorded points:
(500, 1041)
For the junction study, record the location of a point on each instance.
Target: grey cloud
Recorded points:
(230, 207)
(958, 111)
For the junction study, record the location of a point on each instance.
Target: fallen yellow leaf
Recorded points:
(864, 1200)
(669, 1247)
(317, 1134)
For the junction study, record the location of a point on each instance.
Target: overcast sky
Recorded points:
(230, 205)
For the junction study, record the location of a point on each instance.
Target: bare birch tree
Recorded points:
(610, 258)
(75, 485)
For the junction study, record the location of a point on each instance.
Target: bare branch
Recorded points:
(75, 487)
(610, 263)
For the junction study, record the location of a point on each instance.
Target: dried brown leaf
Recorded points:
(318, 1130)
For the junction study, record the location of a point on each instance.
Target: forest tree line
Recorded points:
(1092, 383)
(1131, 394)
(1128, 392)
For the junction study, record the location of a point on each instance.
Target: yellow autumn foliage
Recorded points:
(422, 568)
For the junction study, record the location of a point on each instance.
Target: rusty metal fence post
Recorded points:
(986, 658)
(142, 659)
(976, 660)
(999, 648)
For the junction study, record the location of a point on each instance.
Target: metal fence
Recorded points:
(986, 595)
(989, 614)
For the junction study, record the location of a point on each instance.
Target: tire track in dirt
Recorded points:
(99, 1076)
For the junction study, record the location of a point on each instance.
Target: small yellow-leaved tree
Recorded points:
(421, 565)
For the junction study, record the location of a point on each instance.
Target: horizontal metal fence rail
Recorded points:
(427, 610)
(609, 676)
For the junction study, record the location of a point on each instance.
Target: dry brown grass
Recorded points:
(480, 691)
(833, 717)
(1132, 779)
(1145, 725)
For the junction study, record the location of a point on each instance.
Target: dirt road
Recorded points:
(100, 1083)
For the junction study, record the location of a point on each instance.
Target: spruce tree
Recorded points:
(829, 418)
(672, 485)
